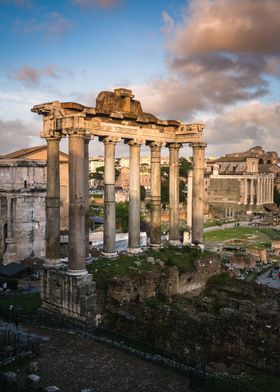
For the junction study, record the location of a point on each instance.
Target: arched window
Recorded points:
(268, 162)
(261, 161)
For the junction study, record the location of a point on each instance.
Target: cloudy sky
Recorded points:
(211, 61)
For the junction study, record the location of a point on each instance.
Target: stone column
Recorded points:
(245, 191)
(76, 242)
(258, 191)
(261, 190)
(86, 172)
(53, 204)
(265, 190)
(155, 217)
(198, 191)
(10, 254)
(109, 233)
(189, 201)
(174, 235)
(134, 197)
(252, 191)
(272, 190)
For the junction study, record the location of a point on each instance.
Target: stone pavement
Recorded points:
(73, 363)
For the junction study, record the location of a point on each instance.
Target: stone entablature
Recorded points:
(60, 118)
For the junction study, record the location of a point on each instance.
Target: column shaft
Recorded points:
(258, 191)
(189, 201)
(109, 233)
(198, 191)
(261, 190)
(245, 191)
(86, 161)
(53, 204)
(252, 191)
(155, 219)
(77, 254)
(134, 198)
(174, 235)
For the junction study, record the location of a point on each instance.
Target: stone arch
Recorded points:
(268, 162)
(261, 162)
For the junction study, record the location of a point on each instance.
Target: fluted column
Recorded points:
(86, 172)
(258, 191)
(245, 191)
(174, 235)
(189, 201)
(261, 190)
(155, 220)
(272, 190)
(265, 191)
(109, 233)
(198, 191)
(251, 191)
(76, 246)
(134, 197)
(53, 204)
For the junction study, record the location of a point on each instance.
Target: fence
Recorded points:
(19, 342)
(199, 379)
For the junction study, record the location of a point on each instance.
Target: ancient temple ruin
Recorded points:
(117, 116)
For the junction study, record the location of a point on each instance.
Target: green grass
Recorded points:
(28, 303)
(126, 265)
(264, 235)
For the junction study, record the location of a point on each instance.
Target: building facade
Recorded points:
(240, 182)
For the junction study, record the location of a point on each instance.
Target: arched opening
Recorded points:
(261, 161)
(268, 162)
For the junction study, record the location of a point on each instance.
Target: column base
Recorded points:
(76, 272)
(53, 263)
(69, 296)
(134, 251)
(109, 255)
(155, 246)
(11, 255)
(175, 242)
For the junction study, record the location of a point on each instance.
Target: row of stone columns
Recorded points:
(258, 190)
(78, 198)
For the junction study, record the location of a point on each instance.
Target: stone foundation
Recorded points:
(69, 296)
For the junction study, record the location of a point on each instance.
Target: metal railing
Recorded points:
(198, 377)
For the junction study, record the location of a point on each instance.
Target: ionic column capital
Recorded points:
(76, 132)
(51, 135)
(135, 142)
(156, 146)
(110, 140)
(198, 145)
(174, 146)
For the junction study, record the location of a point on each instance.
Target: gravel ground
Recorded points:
(73, 363)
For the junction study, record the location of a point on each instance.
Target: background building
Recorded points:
(241, 182)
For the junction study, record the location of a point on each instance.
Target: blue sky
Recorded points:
(196, 60)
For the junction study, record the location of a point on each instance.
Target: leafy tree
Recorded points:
(276, 196)
(184, 167)
(122, 216)
(165, 190)
(142, 193)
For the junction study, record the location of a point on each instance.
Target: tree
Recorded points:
(142, 193)
(122, 216)
(184, 167)
(276, 196)
(165, 190)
